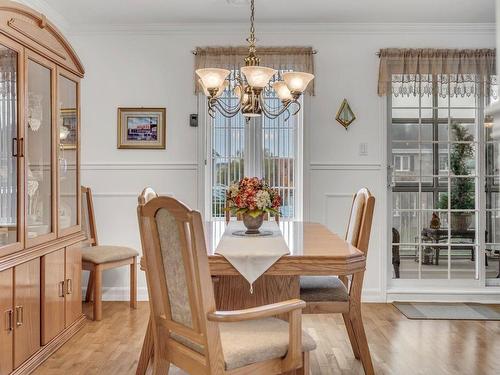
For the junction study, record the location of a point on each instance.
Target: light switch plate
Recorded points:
(363, 149)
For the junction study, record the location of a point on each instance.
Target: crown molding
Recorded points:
(62, 23)
(286, 28)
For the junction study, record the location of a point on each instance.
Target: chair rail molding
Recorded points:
(135, 166)
(345, 166)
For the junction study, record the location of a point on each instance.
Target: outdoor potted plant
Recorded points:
(462, 189)
(250, 199)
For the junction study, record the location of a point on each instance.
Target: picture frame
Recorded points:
(68, 122)
(141, 128)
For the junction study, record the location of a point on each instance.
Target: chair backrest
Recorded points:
(360, 220)
(147, 194)
(179, 281)
(88, 218)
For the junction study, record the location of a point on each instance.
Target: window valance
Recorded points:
(279, 58)
(450, 71)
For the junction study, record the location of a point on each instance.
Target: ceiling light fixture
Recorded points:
(250, 85)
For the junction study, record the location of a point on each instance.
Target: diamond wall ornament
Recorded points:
(345, 115)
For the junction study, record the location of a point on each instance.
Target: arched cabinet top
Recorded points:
(34, 31)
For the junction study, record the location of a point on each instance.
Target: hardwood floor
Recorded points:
(398, 345)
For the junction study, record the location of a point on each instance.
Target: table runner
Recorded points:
(252, 256)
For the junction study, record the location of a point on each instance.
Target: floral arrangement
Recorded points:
(252, 196)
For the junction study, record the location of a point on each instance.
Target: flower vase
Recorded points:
(253, 223)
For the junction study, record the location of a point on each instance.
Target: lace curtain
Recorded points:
(279, 58)
(455, 72)
(8, 130)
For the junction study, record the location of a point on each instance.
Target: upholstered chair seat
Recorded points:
(323, 289)
(104, 254)
(248, 342)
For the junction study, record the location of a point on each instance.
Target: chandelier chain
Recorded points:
(250, 86)
(251, 40)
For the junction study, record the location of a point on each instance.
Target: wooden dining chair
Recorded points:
(330, 294)
(98, 258)
(187, 329)
(147, 349)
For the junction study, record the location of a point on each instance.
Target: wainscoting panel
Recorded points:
(332, 187)
(115, 188)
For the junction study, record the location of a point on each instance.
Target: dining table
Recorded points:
(314, 250)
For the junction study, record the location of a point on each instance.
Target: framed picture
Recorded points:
(68, 129)
(142, 128)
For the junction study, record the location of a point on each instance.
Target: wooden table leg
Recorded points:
(146, 351)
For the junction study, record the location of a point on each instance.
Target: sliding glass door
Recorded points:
(443, 181)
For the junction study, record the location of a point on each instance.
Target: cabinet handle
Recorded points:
(19, 316)
(69, 286)
(61, 289)
(9, 317)
(21, 147)
(14, 147)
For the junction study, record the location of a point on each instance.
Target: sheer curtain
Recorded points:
(270, 148)
(8, 131)
(461, 72)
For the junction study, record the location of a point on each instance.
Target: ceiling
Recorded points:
(138, 12)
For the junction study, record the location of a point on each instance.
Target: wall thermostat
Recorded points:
(193, 120)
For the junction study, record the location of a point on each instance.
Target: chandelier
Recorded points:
(250, 86)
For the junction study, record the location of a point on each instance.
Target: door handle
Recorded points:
(19, 316)
(61, 289)
(14, 147)
(390, 176)
(9, 320)
(69, 286)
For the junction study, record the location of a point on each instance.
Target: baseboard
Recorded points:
(372, 296)
(488, 295)
(117, 293)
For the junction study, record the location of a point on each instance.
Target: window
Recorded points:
(443, 163)
(263, 147)
(439, 145)
(402, 163)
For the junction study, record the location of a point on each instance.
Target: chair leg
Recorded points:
(97, 293)
(133, 284)
(90, 285)
(306, 365)
(146, 351)
(359, 332)
(160, 365)
(352, 336)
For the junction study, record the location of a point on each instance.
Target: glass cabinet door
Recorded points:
(68, 153)
(10, 234)
(39, 185)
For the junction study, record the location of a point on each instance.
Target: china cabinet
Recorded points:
(40, 233)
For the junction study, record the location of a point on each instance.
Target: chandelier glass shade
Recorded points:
(251, 85)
